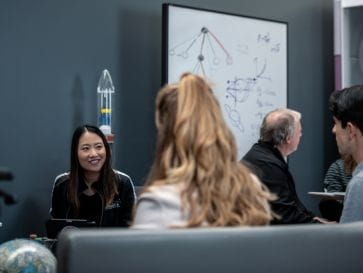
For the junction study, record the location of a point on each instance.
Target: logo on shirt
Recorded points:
(114, 205)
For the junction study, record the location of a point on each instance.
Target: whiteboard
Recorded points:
(244, 58)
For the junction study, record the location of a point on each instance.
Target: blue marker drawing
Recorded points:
(234, 117)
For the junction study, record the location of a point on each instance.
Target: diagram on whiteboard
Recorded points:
(244, 58)
(204, 45)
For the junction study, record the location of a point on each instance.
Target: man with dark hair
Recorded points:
(347, 109)
(280, 134)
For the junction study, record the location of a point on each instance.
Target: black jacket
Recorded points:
(118, 213)
(270, 166)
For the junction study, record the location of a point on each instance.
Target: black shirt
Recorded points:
(117, 213)
(90, 207)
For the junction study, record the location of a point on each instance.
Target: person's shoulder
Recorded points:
(260, 152)
(61, 179)
(358, 171)
(337, 164)
(122, 176)
(255, 148)
(262, 158)
(356, 182)
(159, 206)
(124, 181)
(167, 192)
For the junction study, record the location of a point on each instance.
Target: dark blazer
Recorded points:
(272, 169)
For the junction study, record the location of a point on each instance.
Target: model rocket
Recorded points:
(105, 91)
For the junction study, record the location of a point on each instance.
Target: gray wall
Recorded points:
(52, 54)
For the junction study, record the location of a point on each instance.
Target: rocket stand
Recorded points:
(110, 138)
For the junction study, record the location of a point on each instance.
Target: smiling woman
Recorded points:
(92, 190)
(91, 156)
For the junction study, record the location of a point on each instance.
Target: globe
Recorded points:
(26, 256)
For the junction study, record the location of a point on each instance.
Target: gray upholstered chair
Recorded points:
(278, 249)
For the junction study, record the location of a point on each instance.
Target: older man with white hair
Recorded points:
(280, 135)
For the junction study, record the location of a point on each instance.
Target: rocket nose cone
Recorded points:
(105, 81)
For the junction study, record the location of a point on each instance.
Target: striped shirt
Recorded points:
(336, 179)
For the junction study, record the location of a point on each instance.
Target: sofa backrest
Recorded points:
(278, 249)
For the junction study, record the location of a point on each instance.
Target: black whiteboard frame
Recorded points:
(166, 20)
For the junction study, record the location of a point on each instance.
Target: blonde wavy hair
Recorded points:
(195, 148)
